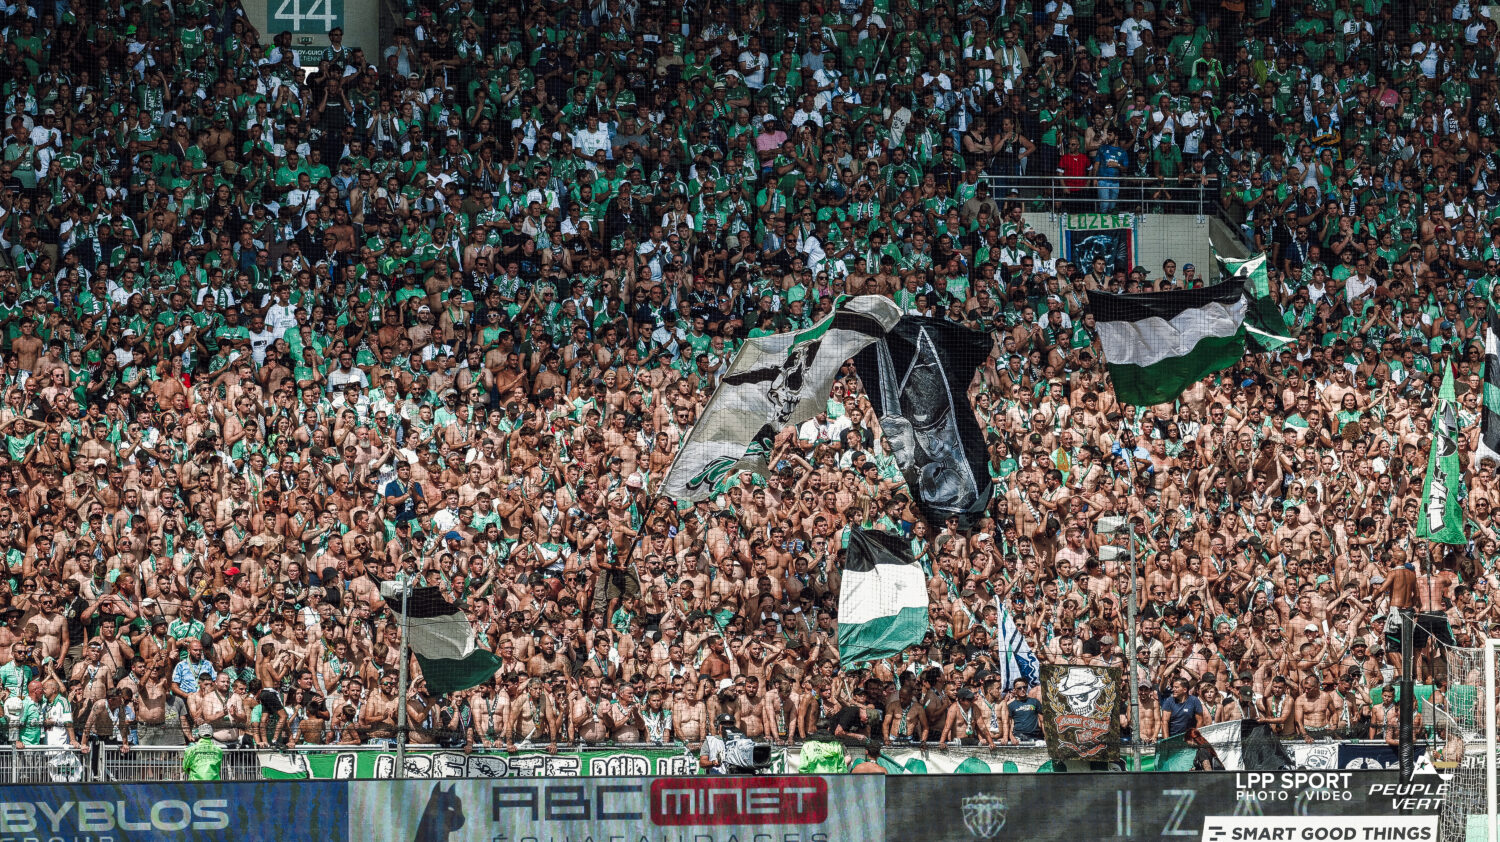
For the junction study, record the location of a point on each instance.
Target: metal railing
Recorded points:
(1093, 194)
(145, 764)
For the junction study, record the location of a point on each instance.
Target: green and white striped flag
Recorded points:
(1157, 344)
(882, 598)
(440, 635)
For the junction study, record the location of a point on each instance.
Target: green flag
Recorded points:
(1264, 323)
(1441, 519)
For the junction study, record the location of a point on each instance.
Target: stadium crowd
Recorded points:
(443, 313)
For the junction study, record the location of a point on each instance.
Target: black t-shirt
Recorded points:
(74, 612)
(848, 719)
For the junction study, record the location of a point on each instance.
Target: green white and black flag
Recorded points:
(774, 381)
(918, 379)
(1441, 519)
(882, 598)
(1489, 410)
(1157, 344)
(440, 635)
(1265, 324)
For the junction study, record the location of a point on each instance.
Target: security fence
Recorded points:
(143, 764)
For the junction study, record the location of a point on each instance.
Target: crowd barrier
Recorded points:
(161, 763)
(1326, 806)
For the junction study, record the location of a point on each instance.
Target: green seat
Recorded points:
(1424, 694)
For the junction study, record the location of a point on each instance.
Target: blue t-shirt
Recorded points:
(1112, 161)
(408, 508)
(1026, 714)
(1180, 715)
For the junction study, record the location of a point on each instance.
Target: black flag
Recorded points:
(918, 380)
(1489, 400)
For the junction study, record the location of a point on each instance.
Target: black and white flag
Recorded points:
(918, 380)
(773, 382)
(1489, 412)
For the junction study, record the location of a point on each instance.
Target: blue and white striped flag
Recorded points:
(1015, 655)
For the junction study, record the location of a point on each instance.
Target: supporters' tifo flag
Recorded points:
(918, 380)
(774, 381)
(1441, 519)
(1224, 739)
(1264, 322)
(1489, 412)
(1157, 344)
(1016, 660)
(1078, 711)
(440, 636)
(882, 598)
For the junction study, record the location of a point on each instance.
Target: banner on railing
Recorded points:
(1106, 236)
(194, 812)
(367, 764)
(1165, 804)
(958, 761)
(796, 808)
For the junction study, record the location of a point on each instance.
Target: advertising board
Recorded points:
(784, 808)
(1108, 806)
(193, 812)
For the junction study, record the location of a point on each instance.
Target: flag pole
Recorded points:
(999, 653)
(402, 680)
(1131, 642)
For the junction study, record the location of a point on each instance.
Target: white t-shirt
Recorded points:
(1065, 17)
(259, 342)
(754, 65)
(1132, 29)
(338, 377)
(589, 142)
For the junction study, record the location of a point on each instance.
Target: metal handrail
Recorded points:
(1082, 193)
(164, 763)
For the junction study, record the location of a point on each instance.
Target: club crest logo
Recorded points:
(984, 815)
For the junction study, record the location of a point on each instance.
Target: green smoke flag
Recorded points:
(1264, 321)
(1441, 520)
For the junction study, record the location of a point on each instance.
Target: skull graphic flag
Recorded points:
(773, 382)
(918, 380)
(1080, 707)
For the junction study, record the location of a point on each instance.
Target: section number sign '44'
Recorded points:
(306, 15)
